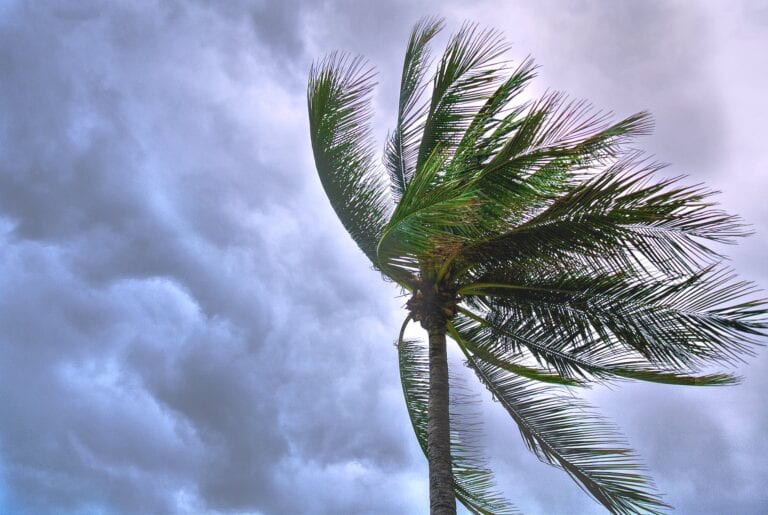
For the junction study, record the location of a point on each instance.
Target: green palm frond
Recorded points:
(554, 127)
(557, 146)
(553, 149)
(403, 144)
(678, 324)
(622, 219)
(514, 342)
(473, 482)
(505, 360)
(565, 432)
(338, 97)
(431, 216)
(468, 73)
(495, 119)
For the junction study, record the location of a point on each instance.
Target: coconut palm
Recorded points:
(546, 248)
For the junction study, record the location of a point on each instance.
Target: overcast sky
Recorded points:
(186, 328)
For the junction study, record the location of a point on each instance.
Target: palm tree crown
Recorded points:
(540, 242)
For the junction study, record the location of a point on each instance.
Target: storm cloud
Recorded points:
(186, 328)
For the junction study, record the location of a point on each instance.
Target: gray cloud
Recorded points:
(184, 325)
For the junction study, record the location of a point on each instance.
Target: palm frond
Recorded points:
(473, 482)
(403, 144)
(555, 127)
(505, 361)
(507, 341)
(556, 147)
(687, 323)
(338, 97)
(495, 119)
(467, 74)
(430, 218)
(551, 147)
(622, 219)
(431, 214)
(565, 432)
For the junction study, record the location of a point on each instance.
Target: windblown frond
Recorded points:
(431, 215)
(621, 219)
(677, 325)
(565, 432)
(468, 73)
(338, 96)
(494, 120)
(472, 481)
(504, 360)
(554, 148)
(403, 145)
(506, 341)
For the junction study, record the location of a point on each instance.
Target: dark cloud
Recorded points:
(184, 325)
(168, 274)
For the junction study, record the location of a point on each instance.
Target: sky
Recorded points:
(186, 328)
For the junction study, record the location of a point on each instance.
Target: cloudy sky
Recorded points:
(186, 328)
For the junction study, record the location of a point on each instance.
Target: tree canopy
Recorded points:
(558, 254)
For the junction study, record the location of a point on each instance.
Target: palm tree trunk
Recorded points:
(441, 497)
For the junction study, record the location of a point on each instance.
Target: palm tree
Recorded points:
(546, 248)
